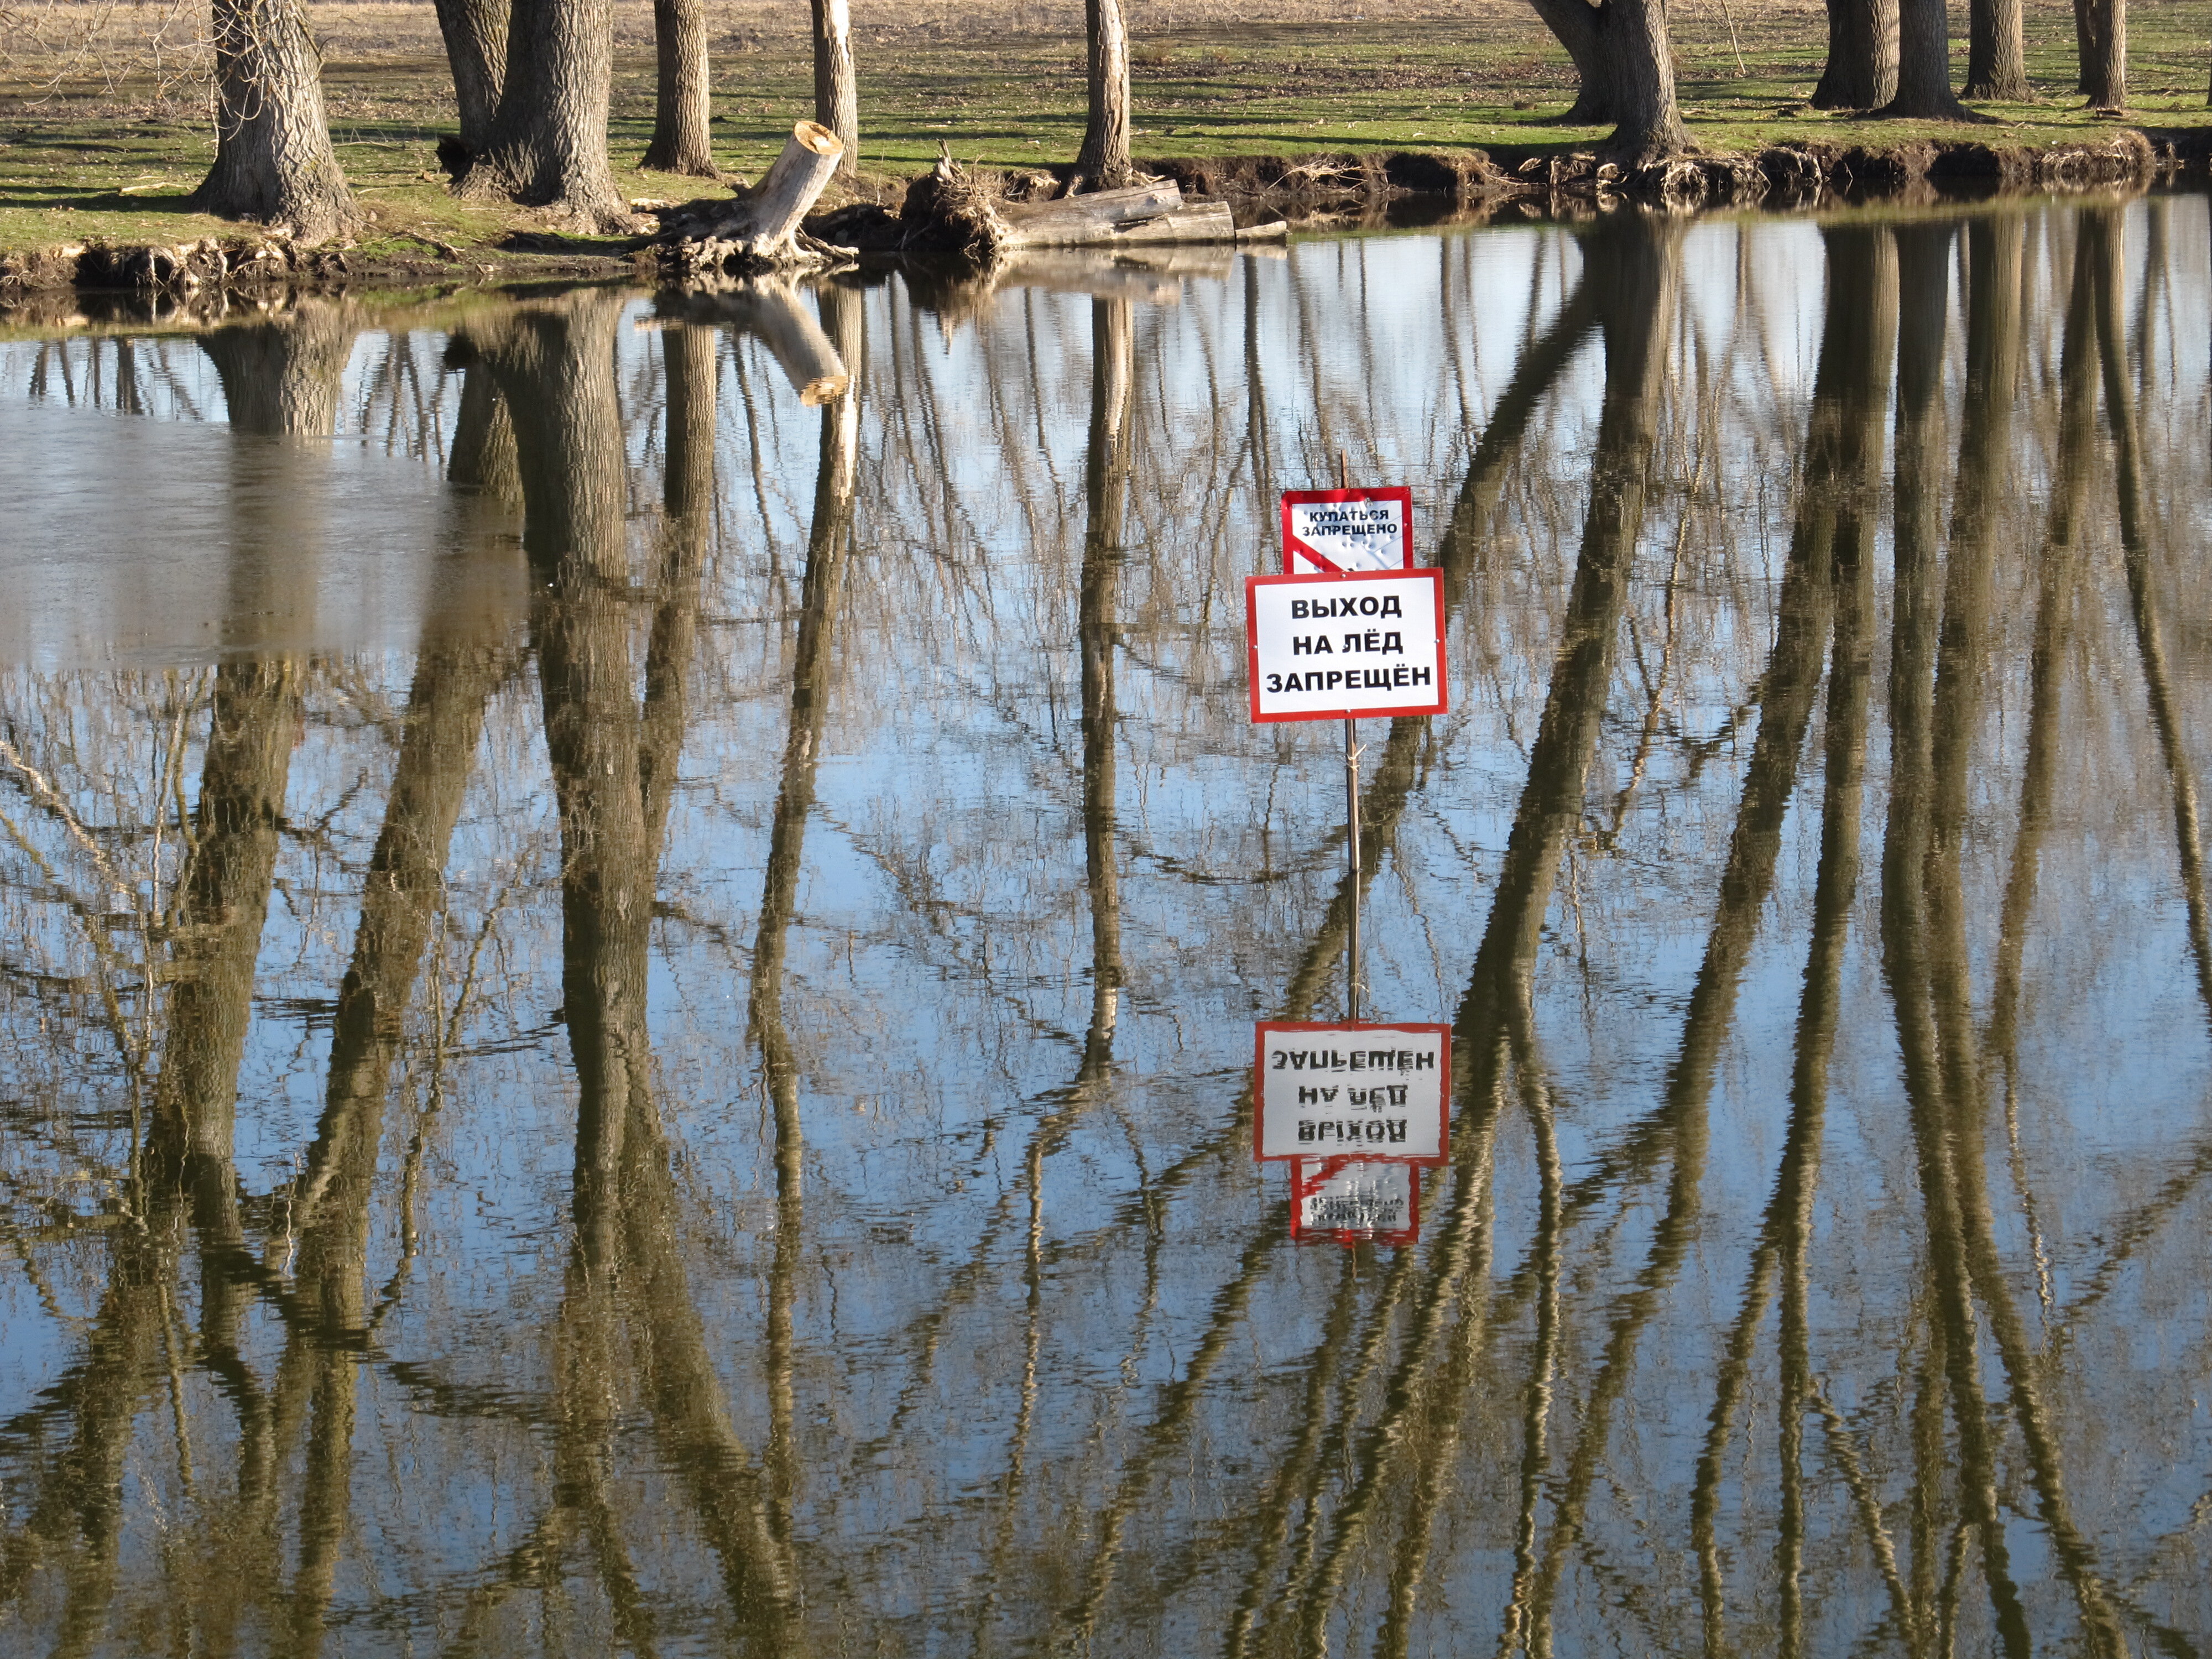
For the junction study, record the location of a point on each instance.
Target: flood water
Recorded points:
(628, 1002)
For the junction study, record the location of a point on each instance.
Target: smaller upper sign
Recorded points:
(1354, 1201)
(1331, 531)
(1329, 647)
(1375, 1092)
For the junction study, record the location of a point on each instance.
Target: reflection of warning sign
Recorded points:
(1332, 531)
(1354, 1201)
(1375, 1091)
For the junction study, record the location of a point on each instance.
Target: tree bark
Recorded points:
(476, 47)
(1923, 64)
(836, 87)
(1105, 152)
(1620, 48)
(679, 100)
(1863, 44)
(273, 160)
(1578, 27)
(1996, 52)
(2101, 29)
(548, 142)
(1650, 127)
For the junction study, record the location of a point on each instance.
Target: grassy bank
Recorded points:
(101, 136)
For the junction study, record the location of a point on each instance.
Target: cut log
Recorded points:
(758, 231)
(1201, 221)
(1068, 221)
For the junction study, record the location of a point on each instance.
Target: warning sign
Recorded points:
(1329, 647)
(1329, 531)
(1354, 1201)
(1376, 1091)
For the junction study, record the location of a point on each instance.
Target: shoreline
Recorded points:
(1320, 192)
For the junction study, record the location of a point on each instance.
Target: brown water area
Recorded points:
(629, 985)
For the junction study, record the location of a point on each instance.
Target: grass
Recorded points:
(114, 155)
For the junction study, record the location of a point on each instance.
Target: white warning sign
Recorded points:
(1330, 532)
(1371, 1091)
(1331, 648)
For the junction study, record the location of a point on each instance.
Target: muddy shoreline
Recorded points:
(95, 281)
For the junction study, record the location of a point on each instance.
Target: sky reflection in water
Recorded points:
(626, 1003)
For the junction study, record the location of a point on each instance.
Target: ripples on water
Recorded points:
(626, 1003)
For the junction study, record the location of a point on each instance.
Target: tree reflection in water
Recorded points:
(852, 1246)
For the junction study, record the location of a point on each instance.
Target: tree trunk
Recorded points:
(1105, 152)
(273, 160)
(548, 142)
(836, 88)
(1642, 78)
(1578, 26)
(1863, 55)
(679, 100)
(1923, 64)
(1996, 52)
(476, 47)
(2100, 28)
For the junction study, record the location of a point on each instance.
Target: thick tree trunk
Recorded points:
(1923, 64)
(1863, 55)
(273, 160)
(1578, 26)
(1996, 52)
(1105, 152)
(836, 88)
(679, 100)
(2101, 29)
(1650, 127)
(476, 47)
(1619, 49)
(548, 142)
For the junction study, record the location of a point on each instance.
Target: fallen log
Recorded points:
(1078, 221)
(759, 230)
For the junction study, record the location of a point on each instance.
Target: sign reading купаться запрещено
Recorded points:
(1329, 531)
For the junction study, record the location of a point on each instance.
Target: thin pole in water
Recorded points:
(1351, 823)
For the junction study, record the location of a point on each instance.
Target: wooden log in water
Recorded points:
(1081, 221)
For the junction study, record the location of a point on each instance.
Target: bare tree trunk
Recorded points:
(273, 160)
(1650, 127)
(1620, 48)
(1996, 52)
(548, 142)
(2101, 29)
(1579, 27)
(679, 100)
(476, 48)
(1105, 152)
(1863, 55)
(836, 88)
(1923, 64)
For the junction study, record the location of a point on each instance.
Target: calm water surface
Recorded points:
(627, 1003)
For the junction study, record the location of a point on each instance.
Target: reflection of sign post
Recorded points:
(1340, 647)
(1329, 531)
(1373, 1092)
(1354, 1201)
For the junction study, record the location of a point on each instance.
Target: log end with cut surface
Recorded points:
(760, 229)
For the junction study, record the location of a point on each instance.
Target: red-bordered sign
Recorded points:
(1355, 1201)
(1335, 1091)
(1367, 645)
(1333, 532)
